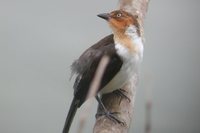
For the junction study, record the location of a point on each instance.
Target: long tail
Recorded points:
(71, 114)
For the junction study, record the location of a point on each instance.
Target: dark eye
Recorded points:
(119, 15)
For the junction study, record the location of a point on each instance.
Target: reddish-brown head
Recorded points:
(120, 20)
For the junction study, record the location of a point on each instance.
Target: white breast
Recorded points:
(129, 67)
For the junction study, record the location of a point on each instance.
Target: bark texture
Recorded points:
(116, 103)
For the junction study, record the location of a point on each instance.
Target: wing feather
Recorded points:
(86, 66)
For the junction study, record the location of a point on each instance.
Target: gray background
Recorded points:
(39, 39)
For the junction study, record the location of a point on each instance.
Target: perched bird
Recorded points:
(124, 48)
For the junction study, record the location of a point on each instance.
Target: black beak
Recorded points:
(104, 16)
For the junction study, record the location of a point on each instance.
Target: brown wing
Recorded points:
(85, 67)
(84, 62)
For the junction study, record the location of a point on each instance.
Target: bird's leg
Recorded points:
(121, 93)
(110, 115)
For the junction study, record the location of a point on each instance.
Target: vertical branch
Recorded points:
(113, 102)
(136, 7)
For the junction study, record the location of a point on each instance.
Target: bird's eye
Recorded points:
(119, 15)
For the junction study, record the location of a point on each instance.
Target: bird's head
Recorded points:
(120, 21)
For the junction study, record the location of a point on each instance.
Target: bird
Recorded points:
(124, 47)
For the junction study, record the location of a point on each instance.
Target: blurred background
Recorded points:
(39, 39)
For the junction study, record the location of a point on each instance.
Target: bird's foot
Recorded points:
(112, 116)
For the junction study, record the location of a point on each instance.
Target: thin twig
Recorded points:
(148, 116)
(92, 92)
(148, 107)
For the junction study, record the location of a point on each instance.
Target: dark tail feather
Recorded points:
(71, 114)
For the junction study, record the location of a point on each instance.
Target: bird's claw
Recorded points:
(112, 116)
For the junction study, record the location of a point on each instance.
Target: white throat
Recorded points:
(131, 31)
(135, 40)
